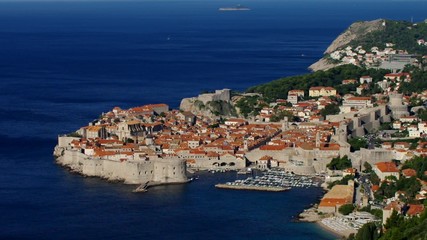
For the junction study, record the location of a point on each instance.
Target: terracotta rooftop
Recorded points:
(409, 172)
(396, 74)
(266, 158)
(359, 99)
(238, 120)
(320, 88)
(415, 209)
(272, 147)
(191, 161)
(375, 188)
(350, 170)
(332, 202)
(387, 167)
(393, 206)
(101, 153)
(338, 195)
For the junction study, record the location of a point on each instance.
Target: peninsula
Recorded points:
(361, 126)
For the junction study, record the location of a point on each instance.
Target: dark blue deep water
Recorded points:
(63, 63)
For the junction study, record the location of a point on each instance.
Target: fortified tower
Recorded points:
(285, 124)
(342, 131)
(245, 144)
(396, 106)
(318, 139)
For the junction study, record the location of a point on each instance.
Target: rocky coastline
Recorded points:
(356, 30)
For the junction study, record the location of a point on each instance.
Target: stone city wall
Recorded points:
(130, 171)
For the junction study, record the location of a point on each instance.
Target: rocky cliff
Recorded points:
(322, 64)
(210, 109)
(356, 30)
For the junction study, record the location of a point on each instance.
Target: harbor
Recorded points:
(255, 188)
(275, 180)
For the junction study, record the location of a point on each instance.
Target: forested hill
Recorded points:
(368, 43)
(331, 78)
(402, 34)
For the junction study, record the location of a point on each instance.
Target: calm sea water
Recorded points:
(63, 63)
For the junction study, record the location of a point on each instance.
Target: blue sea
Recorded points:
(64, 63)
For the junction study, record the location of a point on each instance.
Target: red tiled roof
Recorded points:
(403, 144)
(266, 158)
(332, 202)
(350, 170)
(375, 188)
(409, 172)
(320, 88)
(191, 161)
(349, 80)
(272, 147)
(212, 154)
(296, 91)
(396, 74)
(393, 205)
(415, 209)
(104, 153)
(358, 99)
(387, 167)
(238, 120)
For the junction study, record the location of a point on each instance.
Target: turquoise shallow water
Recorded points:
(62, 64)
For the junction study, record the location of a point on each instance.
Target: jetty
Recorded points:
(142, 188)
(255, 188)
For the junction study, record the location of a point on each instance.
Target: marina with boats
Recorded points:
(272, 180)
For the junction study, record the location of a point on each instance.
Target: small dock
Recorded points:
(252, 188)
(142, 188)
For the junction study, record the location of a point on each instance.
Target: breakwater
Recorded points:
(255, 188)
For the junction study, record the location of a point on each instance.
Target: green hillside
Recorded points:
(401, 33)
(330, 78)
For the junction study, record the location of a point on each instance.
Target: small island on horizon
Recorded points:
(236, 8)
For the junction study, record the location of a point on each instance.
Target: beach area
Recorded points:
(325, 221)
(334, 228)
(311, 215)
(334, 222)
(339, 235)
